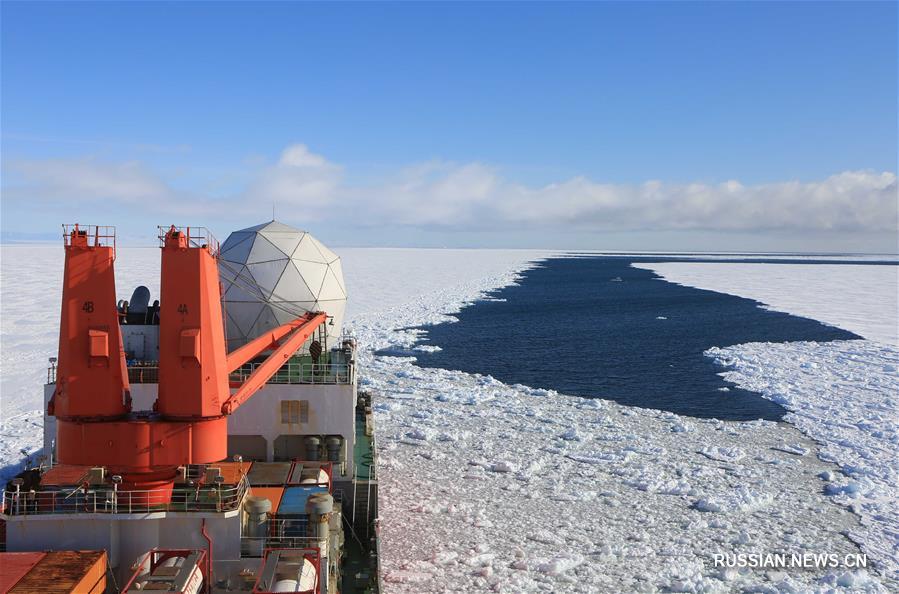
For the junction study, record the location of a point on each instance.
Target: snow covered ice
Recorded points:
(632, 505)
(843, 394)
(492, 487)
(531, 490)
(858, 298)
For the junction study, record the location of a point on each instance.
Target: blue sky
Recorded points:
(758, 126)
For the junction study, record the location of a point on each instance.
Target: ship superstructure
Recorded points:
(199, 464)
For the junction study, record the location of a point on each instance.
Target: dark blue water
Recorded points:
(568, 326)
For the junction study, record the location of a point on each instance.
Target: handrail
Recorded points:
(104, 499)
(98, 235)
(303, 373)
(290, 373)
(196, 237)
(254, 546)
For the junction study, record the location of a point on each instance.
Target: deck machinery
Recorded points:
(197, 469)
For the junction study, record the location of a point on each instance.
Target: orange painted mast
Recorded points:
(92, 376)
(193, 378)
(95, 425)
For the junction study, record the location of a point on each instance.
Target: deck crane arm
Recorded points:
(295, 333)
(269, 340)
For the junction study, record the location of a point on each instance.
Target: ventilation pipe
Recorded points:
(257, 509)
(313, 445)
(319, 507)
(334, 443)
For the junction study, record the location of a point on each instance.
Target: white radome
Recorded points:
(272, 273)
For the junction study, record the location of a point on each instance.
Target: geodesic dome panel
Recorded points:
(272, 273)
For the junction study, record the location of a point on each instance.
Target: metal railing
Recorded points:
(136, 375)
(143, 374)
(293, 372)
(96, 235)
(253, 546)
(105, 499)
(283, 533)
(290, 373)
(196, 237)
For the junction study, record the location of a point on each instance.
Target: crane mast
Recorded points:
(92, 403)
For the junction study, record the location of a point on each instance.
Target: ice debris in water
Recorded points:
(682, 426)
(571, 435)
(723, 454)
(503, 466)
(740, 500)
(631, 486)
(797, 449)
(560, 564)
(849, 405)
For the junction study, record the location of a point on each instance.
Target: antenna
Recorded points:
(273, 210)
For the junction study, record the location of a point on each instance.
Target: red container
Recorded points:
(14, 566)
(54, 572)
(65, 474)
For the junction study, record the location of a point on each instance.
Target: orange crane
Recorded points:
(92, 402)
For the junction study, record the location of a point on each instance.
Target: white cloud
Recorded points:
(88, 179)
(299, 178)
(299, 155)
(476, 196)
(431, 193)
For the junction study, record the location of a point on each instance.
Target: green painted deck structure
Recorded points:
(363, 451)
(360, 565)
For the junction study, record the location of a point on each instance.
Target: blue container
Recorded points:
(294, 500)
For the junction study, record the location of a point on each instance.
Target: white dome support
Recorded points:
(273, 273)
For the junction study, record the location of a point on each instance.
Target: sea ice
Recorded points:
(848, 404)
(722, 454)
(627, 488)
(858, 298)
(740, 500)
(843, 394)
